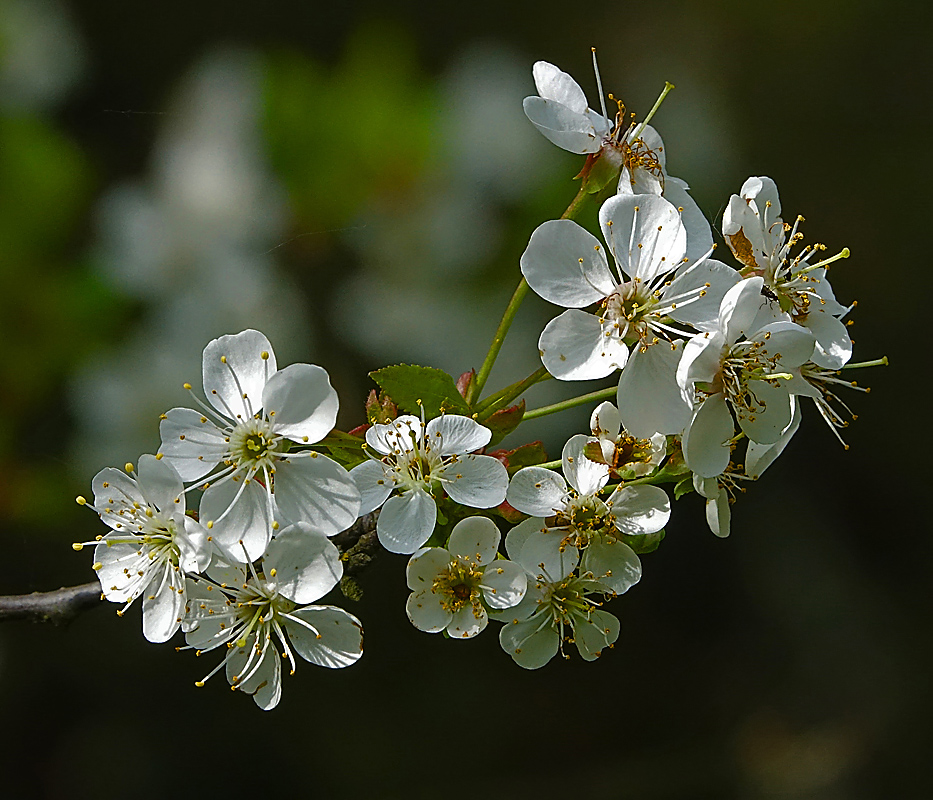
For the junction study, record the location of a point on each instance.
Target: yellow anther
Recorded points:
(210, 524)
(77, 546)
(128, 467)
(272, 572)
(223, 359)
(264, 355)
(275, 525)
(80, 500)
(186, 386)
(159, 456)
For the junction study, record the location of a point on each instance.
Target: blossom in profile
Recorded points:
(793, 289)
(257, 415)
(615, 447)
(420, 461)
(453, 586)
(153, 544)
(261, 618)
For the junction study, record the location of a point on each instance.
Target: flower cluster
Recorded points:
(712, 360)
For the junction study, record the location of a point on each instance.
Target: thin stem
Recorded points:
(511, 393)
(551, 464)
(563, 405)
(476, 386)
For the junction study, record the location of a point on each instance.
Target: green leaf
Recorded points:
(407, 384)
(646, 542)
(684, 487)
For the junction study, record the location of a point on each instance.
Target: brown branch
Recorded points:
(58, 607)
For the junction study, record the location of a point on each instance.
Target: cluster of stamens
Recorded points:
(459, 586)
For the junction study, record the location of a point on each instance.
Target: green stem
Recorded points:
(476, 386)
(563, 405)
(502, 398)
(551, 464)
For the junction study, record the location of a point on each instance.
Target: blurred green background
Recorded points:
(358, 181)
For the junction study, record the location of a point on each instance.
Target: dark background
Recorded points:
(791, 660)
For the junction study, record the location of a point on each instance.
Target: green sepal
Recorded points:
(684, 487)
(413, 388)
(645, 542)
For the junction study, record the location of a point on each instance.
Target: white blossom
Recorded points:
(612, 445)
(652, 285)
(453, 586)
(420, 461)
(153, 546)
(259, 413)
(256, 615)
(728, 373)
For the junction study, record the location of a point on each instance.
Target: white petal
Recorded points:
(586, 476)
(397, 436)
(529, 644)
(163, 605)
(613, 563)
(645, 234)
(578, 346)
(249, 520)
(191, 443)
(374, 485)
(306, 565)
(640, 509)
(160, 484)
(515, 539)
(649, 399)
(425, 611)
(317, 490)
(263, 680)
(739, 308)
(537, 491)
(468, 622)
(115, 491)
(569, 130)
(301, 403)
(833, 345)
(546, 556)
(605, 421)
(699, 234)
(119, 565)
(758, 457)
(339, 639)
(702, 312)
(475, 481)
(593, 635)
(566, 265)
(424, 566)
(792, 344)
(719, 515)
(457, 434)
(555, 84)
(232, 367)
(771, 415)
(476, 539)
(701, 361)
(706, 440)
(194, 545)
(406, 521)
(504, 584)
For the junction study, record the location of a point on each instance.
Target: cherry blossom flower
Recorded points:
(578, 517)
(254, 615)
(153, 546)
(259, 413)
(420, 461)
(794, 289)
(653, 285)
(749, 377)
(453, 586)
(558, 606)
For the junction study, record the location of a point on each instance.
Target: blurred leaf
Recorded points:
(504, 421)
(646, 542)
